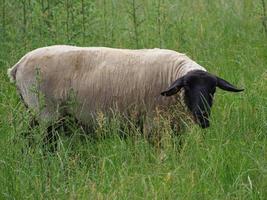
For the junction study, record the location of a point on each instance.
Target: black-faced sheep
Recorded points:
(103, 79)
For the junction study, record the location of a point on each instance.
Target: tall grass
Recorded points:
(226, 161)
(264, 17)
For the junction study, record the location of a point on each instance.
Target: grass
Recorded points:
(226, 161)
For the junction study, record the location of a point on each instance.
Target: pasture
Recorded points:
(226, 161)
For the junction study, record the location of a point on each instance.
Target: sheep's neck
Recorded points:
(183, 66)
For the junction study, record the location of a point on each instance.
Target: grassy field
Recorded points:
(226, 161)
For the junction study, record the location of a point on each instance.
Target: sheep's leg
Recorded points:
(51, 138)
(33, 122)
(44, 113)
(48, 120)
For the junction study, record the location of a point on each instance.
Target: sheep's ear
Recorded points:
(224, 85)
(174, 88)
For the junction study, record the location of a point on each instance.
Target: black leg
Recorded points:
(33, 123)
(50, 139)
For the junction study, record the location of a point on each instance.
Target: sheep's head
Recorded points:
(199, 88)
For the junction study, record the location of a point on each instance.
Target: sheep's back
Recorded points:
(100, 79)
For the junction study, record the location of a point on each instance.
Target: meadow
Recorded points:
(226, 161)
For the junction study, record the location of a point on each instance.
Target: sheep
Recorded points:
(105, 79)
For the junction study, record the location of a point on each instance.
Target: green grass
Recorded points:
(226, 161)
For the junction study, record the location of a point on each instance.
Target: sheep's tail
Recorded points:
(11, 72)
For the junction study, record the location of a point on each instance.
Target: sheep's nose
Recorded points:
(205, 124)
(202, 120)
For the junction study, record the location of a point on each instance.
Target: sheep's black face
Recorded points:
(199, 87)
(199, 90)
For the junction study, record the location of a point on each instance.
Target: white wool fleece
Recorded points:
(101, 78)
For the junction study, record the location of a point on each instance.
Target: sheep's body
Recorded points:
(101, 79)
